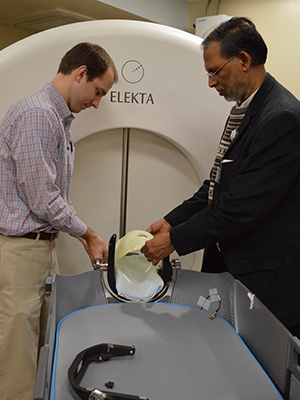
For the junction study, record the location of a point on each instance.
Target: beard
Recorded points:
(236, 89)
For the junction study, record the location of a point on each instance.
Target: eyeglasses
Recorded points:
(214, 75)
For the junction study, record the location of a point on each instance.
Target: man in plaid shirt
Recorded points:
(36, 165)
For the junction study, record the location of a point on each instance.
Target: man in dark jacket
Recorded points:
(247, 215)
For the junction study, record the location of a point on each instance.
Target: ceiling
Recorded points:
(39, 15)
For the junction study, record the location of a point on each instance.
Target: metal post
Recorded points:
(124, 181)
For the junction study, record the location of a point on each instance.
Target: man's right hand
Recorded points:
(94, 246)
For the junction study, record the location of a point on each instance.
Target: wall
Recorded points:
(277, 21)
(168, 12)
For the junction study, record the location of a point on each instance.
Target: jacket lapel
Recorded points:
(254, 106)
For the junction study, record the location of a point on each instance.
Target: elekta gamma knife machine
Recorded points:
(199, 336)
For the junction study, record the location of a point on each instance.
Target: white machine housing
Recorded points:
(162, 90)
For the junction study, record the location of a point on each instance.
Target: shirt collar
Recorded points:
(245, 103)
(58, 102)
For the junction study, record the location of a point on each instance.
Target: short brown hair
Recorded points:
(93, 56)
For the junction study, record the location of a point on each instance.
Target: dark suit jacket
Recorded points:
(255, 214)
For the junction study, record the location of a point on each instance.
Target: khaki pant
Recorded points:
(24, 266)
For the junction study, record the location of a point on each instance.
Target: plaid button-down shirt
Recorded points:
(36, 165)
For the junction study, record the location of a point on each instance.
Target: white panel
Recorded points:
(95, 194)
(160, 177)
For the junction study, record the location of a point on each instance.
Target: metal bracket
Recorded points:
(176, 264)
(97, 395)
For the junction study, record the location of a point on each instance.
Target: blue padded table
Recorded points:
(180, 354)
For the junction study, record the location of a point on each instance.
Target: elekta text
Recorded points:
(131, 97)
